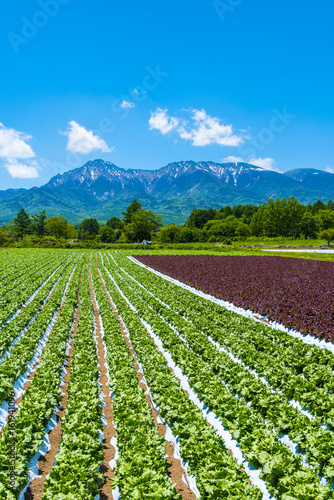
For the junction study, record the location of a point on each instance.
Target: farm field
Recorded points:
(294, 292)
(118, 383)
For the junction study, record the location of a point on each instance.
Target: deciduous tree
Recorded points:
(143, 224)
(327, 234)
(115, 223)
(56, 226)
(90, 226)
(107, 234)
(325, 219)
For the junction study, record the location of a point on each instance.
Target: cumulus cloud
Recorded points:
(233, 159)
(13, 149)
(161, 121)
(81, 140)
(266, 163)
(206, 130)
(13, 144)
(127, 104)
(201, 129)
(22, 170)
(330, 170)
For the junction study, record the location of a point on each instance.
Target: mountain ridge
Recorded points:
(101, 189)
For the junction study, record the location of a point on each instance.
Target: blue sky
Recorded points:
(142, 84)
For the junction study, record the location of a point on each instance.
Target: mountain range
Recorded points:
(101, 189)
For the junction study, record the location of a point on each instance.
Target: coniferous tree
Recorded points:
(115, 223)
(21, 224)
(39, 223)
(134, 207)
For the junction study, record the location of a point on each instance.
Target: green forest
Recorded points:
(283, 218)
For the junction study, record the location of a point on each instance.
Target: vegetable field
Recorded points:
(118, 382)
(295, 292)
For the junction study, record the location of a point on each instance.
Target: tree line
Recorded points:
(285, 218)
(137, 224)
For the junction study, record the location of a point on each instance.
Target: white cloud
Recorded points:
(127, 104)
(161, 121)
(208, 130)
(202, 129)
(330, 170)
(266, 163)
(81, 140)
(233, 159)
(13, 148)
(13, 144)
(137, 92)
(19, 170)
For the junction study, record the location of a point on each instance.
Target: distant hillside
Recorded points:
(101, 189)
(10, 193)
(313, 179)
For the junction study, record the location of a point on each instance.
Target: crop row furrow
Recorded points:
(110, 450)
(140, 468)
(76, 473)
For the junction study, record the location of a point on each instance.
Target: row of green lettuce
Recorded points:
(22, 289)
(75, 473)
(14, 268)
(20, 442)
(15, 264)
(141, 468)
(26, 349)
(14, 316)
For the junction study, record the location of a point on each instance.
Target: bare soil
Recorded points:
(109, 430)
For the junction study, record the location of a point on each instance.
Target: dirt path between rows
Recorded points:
(36, 488)
(109, 430)
(175, 469)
